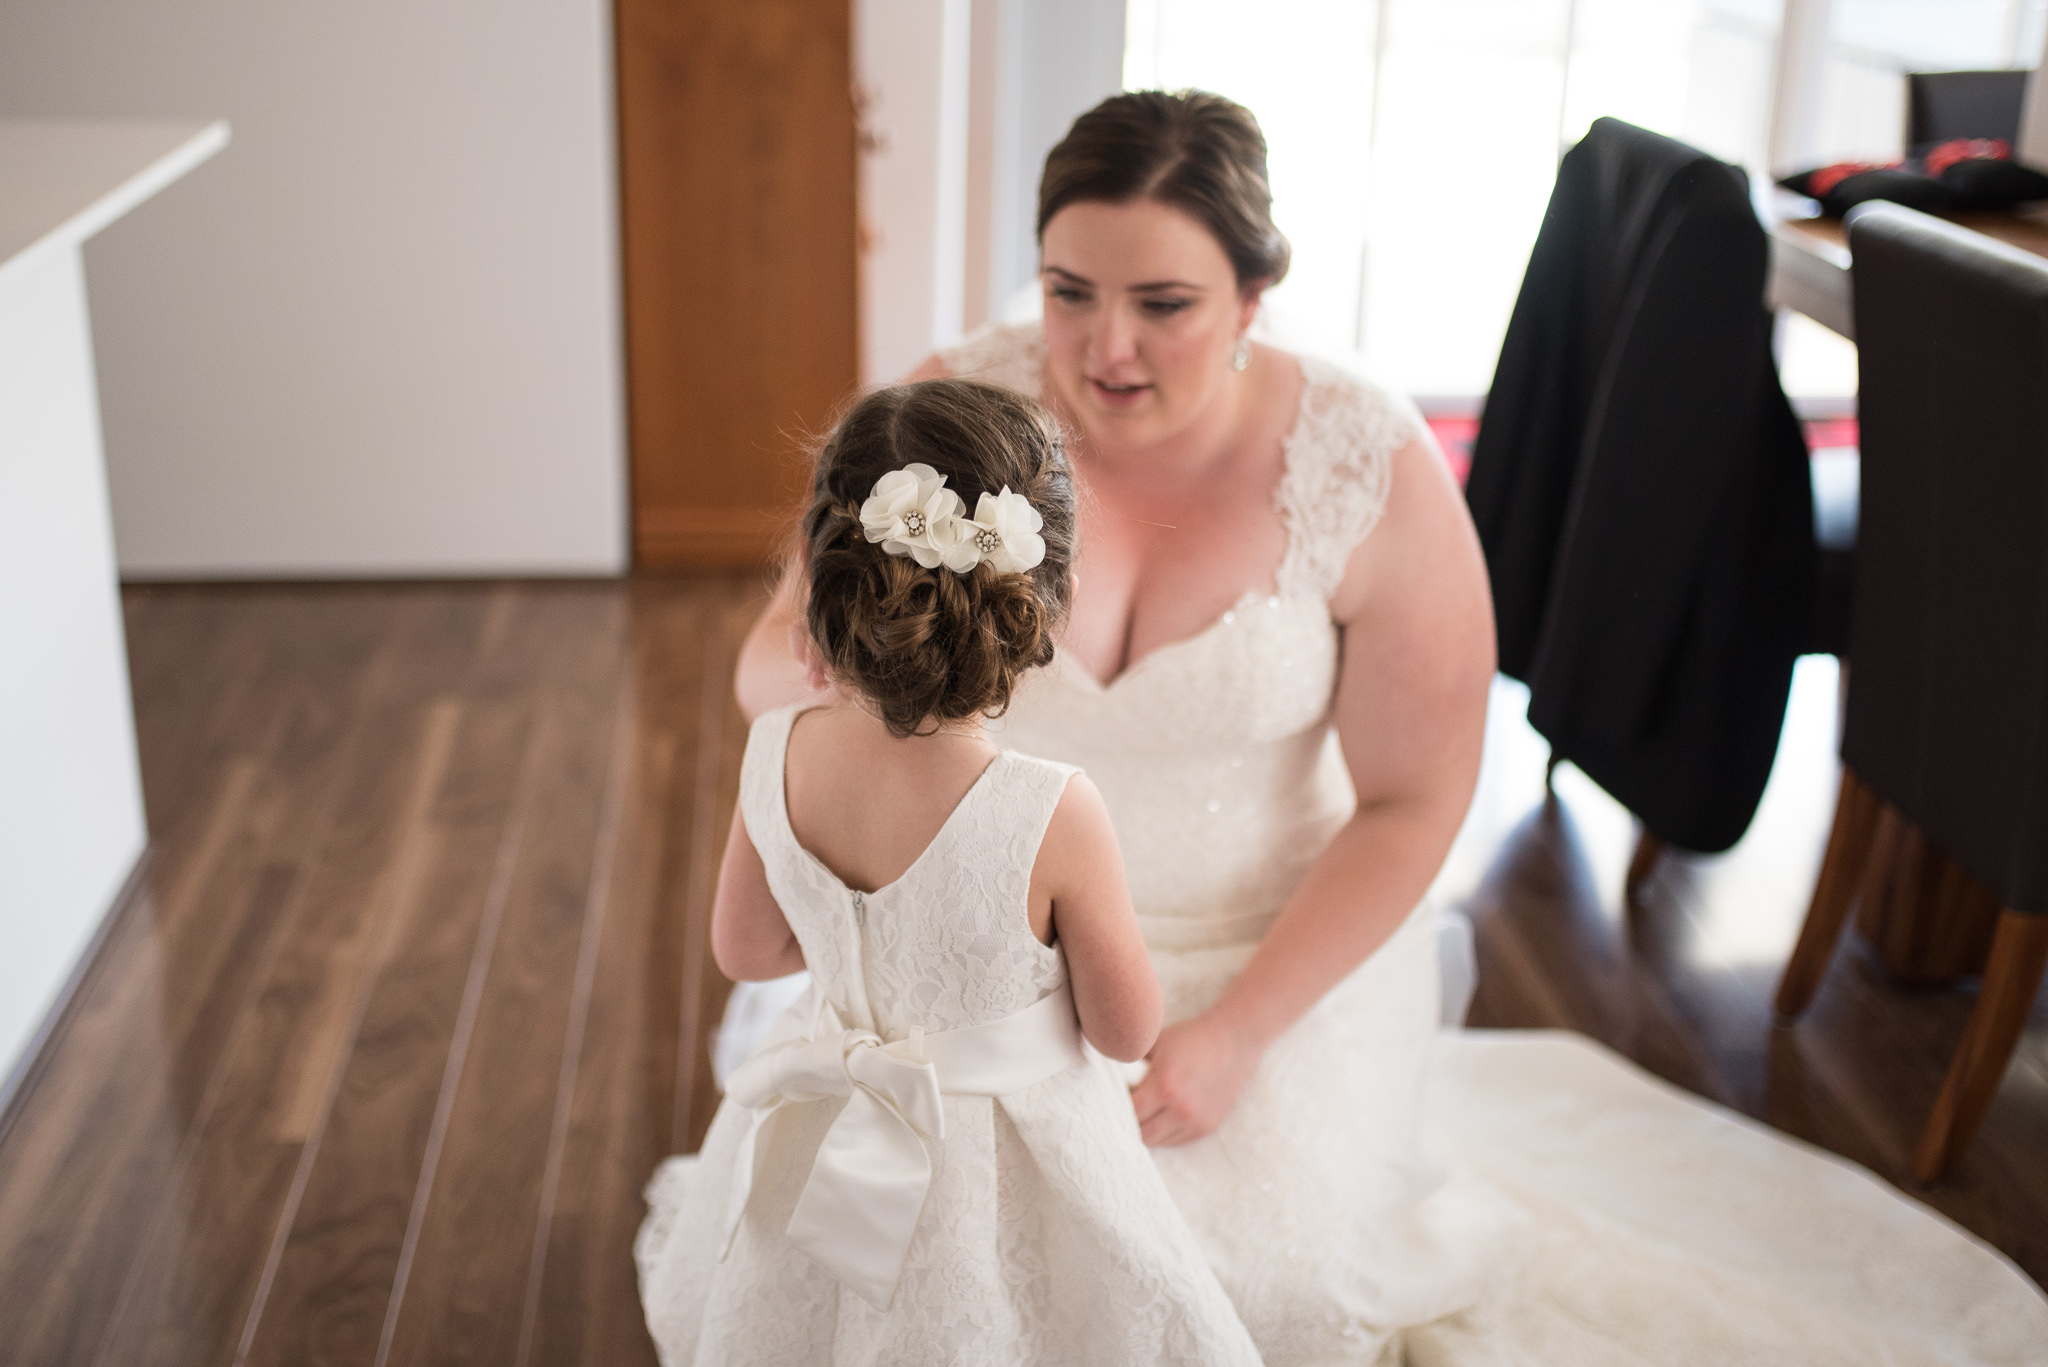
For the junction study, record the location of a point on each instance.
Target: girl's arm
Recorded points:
(750, 938)
(1411, 713)
(1081, 866)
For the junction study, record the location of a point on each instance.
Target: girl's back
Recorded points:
(947, 941)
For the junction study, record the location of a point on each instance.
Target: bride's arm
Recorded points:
(1411, 713)
(773, 667)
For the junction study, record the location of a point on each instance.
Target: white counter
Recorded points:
(71, 819)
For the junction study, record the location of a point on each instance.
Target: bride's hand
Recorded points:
(1193, 1076)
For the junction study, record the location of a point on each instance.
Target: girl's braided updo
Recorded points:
(929, 646)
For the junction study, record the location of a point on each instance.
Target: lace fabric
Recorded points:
(1339, 450)
(1386, 1194)
(946, 945)
(1381, 1193)
(1337, 472)
(1047, 1236)
(1216, 758)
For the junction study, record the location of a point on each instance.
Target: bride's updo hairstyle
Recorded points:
(927, 646)
(1199, 153)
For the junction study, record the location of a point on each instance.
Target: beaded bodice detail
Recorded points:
(1214, 753)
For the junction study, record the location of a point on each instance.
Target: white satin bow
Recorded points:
(859, 1208)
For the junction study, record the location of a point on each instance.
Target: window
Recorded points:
(1414, 142)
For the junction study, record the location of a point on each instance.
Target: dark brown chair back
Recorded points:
(1947, 712)
(1964, 104)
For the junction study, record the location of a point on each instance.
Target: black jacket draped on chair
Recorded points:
(1641, 488)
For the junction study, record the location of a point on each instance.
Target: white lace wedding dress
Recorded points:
(1046, 1235)
(1384, 1193)
(1477, 1197)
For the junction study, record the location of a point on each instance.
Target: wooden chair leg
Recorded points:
(1641, 864)
(1841, 872)
(2019, 952)
(1956, 938)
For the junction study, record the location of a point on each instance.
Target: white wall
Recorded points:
(379, 334)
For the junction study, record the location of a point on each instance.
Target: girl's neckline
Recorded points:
(789, 828)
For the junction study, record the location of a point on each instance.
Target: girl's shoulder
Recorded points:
(769, 733)
(1025, 791)
(761, 770)
(1008, 354)
(1032, 771)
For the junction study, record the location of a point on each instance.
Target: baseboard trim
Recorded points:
(690, 538)
(28, 1067)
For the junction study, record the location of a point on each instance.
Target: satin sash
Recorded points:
(860, 1205)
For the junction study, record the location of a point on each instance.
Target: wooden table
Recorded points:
(1810, 256)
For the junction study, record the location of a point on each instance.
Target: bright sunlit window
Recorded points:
(1414, 142)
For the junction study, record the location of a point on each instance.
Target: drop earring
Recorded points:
(1241, 357)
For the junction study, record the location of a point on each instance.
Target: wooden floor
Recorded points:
(413, 991)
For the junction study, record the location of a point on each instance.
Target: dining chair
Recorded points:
(1941, 105)
(1945, 725)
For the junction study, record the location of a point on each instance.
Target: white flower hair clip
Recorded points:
(1006, 530)
(912, 512)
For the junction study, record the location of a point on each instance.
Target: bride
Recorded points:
(1276, 672)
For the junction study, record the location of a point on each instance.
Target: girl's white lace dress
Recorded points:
(1046, 1235)
(1479, 1197)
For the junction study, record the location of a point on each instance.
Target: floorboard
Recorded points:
(416, 991)
(374, 1142)
(209, 1251)
(492, 1154)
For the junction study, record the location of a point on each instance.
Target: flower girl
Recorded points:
(922, 1164)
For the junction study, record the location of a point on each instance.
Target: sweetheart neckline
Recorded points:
(1227, 617)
